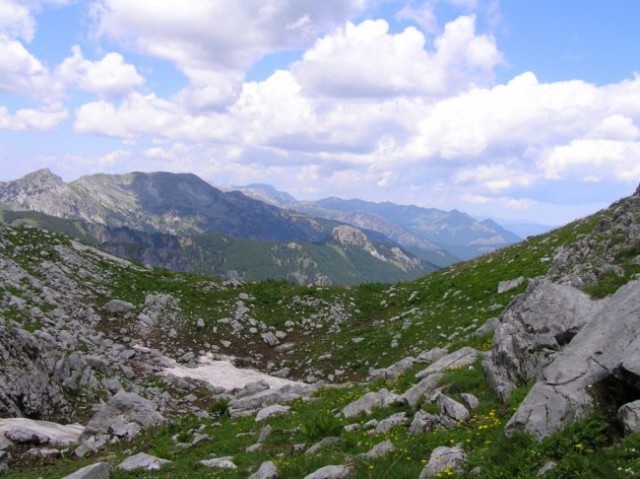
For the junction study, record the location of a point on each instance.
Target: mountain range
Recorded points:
(442, 237)
(179, 221)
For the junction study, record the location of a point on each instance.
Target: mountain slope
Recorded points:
(163, 202)
(337, 260)
(438, 236)
(80, 324)
(260, 241)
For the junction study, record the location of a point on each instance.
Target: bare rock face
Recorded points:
(533, 328)
(605, 349)
(28, 365)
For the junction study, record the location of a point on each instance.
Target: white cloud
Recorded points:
(496, 177)
(32, 119)
(607, 158)
(206, 39)
(367, 61)
(23, 74)
(110, 76)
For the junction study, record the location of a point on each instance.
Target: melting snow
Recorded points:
(222, 373)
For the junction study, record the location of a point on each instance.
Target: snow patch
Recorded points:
(223, 374)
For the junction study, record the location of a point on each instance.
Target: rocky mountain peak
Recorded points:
(637, 192)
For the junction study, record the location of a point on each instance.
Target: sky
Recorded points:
(518, 109)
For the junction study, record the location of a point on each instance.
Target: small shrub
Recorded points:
(219, 408)
(319, 425)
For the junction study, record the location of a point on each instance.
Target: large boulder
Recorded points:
(100, 470)
(123, 416)
(370, 401)
(533, 328)
(608, 341)
(450, 459)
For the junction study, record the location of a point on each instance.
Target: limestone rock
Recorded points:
(369, 402)
(327, 441)
(458, 359)
(273, 410)
(393, 372)
(423, 422)
(629, 417)
(117, 306)
(380, 450)
(510, 284)
(100, 470)
(330, 472)
(267, 470)
(414, 395)
(123, 416)
(389, 423)
(449, 458)
(142, 461)
(451, 408)
(609, 339)
(531, 329)
(220, 462)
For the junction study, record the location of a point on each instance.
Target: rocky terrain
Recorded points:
(521, 363)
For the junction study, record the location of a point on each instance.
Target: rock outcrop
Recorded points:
(527, 346)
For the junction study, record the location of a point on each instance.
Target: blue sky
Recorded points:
(519, 109)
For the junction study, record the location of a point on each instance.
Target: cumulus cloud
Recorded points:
(32, 119)
(217, 40)
(366, 60)
(110, 76)
(23, 74)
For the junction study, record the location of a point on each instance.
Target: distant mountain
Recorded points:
(180, 222)
(160, 202)
(441, 237)
(347, 257)
(524, 229)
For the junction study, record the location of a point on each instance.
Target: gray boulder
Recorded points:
(533, 328)
(629, 417)
(273, 410)
(220, 463)
(100, 470)
(458, 359)
(267, 470)
(508, 285)
(117, 306)
(142, 461)
(380, 450)
(449, 458)
(608, 341)
(422, 423)
(327, 441)
(414, 395)
(370, 401)
(389, 423)
(393, 372)
(330, 472)
(451, 408)
(123, 416)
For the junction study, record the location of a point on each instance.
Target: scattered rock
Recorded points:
(505, 286)
(117, 306)
(629, 417)
(444, 458)
(458, 359)
(380, 450)
(393, 372)
(330, 472)
(142, 461)
(544, 470)
(369, 402)
(327, 441)
(414, 395)
(267, 470)
(389, 423)
(470, 400)
(220, 462)
(273, 410)
(100, 470)
(423, 422)
(29, 431)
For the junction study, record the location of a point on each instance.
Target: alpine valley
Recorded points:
(520, 363)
